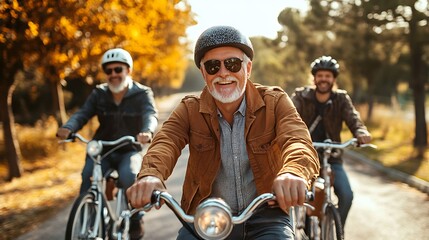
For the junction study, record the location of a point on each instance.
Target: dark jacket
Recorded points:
(338, 109)
(136, 113)
(277, 142)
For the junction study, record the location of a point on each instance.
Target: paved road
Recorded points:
(382, 209)
(155, 220)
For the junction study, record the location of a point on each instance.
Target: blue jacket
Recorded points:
(136, 113)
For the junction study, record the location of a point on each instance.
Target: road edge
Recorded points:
(412, 181)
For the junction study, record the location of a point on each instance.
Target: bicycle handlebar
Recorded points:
(245, 214)
(118, 141)
(352, 142)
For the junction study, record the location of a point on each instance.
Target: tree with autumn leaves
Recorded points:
(66, 38)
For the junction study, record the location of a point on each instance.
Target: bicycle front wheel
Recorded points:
(331, 224)
(82, 222)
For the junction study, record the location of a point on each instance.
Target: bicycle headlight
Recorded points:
(213, 219)
(94, 148)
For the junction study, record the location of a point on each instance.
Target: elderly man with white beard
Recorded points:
(244, 139)
(123, 108)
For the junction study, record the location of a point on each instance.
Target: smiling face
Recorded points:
(227, 86)
(116, 74)
(324, 81)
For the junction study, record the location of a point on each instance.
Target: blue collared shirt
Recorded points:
(234, 182)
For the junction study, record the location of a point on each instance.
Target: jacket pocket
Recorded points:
(261, 144)
(202, 151)
(201, 142)
(266, 151)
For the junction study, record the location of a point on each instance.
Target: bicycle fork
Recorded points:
(314, 228)
(122, 215)
(97, 222)
(96, 179)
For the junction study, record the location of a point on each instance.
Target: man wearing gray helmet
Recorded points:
(244, 139)
(123, 107)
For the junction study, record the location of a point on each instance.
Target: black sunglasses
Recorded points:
(232, 64)
(109, 71)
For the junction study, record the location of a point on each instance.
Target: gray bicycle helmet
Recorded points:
(219, 36)
(117, 55)
(325, 63)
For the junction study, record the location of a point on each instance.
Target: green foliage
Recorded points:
(194, 81)
(379, 44)
(370, 39)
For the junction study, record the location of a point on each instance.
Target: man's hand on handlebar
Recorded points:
(290, 190)
(144, 137)
(364, 138)
(63, 133)
(140, 193)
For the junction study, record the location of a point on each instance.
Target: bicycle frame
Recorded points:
(98, 184)
(326, 174)
(104, 209)
(328, 146)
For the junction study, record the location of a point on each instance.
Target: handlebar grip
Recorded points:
(72, 136)
(155, 197)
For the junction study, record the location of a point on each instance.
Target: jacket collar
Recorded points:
(254, 100)
(310, 93)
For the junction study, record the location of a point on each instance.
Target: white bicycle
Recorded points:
(96, 215)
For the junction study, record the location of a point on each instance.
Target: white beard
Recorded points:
(234, 96)
(120, 87)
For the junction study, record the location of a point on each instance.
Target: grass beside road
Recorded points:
(50, 180)
(52, 172)
(393, 134)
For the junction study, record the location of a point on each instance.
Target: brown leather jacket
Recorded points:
(340, 109)
(277, 142)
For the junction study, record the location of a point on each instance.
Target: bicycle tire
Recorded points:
(84, 208)
(331, 224)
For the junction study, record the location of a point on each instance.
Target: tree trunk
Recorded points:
(418, 85)
(61, 104)
(420, 140)
(13, 152)
(58, 105)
